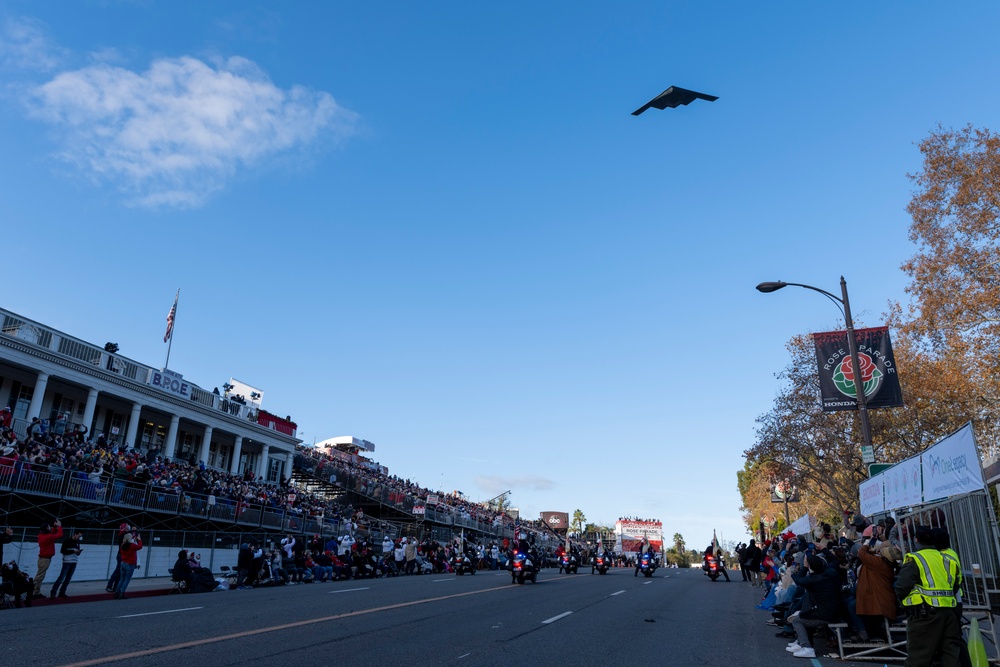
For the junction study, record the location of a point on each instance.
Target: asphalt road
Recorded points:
(678, 617)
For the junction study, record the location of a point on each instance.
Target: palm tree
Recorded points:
(679, 543)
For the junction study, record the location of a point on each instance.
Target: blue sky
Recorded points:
(437, 226)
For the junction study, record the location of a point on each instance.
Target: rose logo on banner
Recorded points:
(879, 380)
(871, 376)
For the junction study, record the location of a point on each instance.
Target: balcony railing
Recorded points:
(399, 500)
(51, 340)
(34, 480)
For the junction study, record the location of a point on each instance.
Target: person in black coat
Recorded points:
(182, 568)
(822, 582)
(753, 557)
(246, 568)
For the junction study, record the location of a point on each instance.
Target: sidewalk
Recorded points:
(93, 591)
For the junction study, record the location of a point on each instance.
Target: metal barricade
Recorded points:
(37, 480)
(293, 522)
(223, 510)
(249, 515)
(85, 489)
(6, 476)
(163, 500)
(194, 504)
(271, 518)
(972, 528)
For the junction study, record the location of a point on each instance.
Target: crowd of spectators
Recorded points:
(111, 469)
(373, 481)
(825, 577)
(64, 455)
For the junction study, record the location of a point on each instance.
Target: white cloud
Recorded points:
(25, 46)
(174, 134)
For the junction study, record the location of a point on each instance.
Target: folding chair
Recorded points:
(6, 598)
(179, 585)
(229, 574)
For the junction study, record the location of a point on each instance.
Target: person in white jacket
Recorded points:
(387, 545)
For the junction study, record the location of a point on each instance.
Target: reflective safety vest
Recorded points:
(949, 554)
(938, 574)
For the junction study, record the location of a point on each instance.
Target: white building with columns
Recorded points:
(51, 375)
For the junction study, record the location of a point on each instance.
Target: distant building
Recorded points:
(349, 448)
(48, 374)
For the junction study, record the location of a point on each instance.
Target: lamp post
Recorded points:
(852, 345)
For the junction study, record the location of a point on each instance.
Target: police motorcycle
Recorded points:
(462, 564)
(712, 567)
(646, 565)
(601, 564)
(570, 562)
(522, 568)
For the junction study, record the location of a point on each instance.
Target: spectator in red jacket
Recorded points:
(129, 549)
(47, 537)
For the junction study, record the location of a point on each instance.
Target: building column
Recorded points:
(88, 411)
(237, 450)
(206, 442)
(262, 464)
(287, 471)
(171, 444)
(37, 394)
(133, 426)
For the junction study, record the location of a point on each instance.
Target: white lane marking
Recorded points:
(448, 579)
(618, 593)
(646, 583)
(153, 613)
(556, 618)
(348, 590)
(463, 656)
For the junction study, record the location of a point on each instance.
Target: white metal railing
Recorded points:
(41, 336)
(79, 350)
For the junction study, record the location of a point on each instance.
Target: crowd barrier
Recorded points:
(157, 556)
(40, 480)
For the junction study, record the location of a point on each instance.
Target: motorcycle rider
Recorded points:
(645, 548)
(569, 552)
(600, 552)
(714, 552)
(528, 549)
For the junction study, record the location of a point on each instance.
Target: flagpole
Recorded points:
(170, 342)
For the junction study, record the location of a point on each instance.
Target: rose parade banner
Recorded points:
(630, 532)
(836, 372)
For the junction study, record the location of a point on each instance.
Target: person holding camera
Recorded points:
(128, 550)
(47, 536)
(113, 580)
(70, 551)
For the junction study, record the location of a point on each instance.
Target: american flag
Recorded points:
(170, 319)
(517, 529)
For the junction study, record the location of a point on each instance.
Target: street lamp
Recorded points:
(845, 307)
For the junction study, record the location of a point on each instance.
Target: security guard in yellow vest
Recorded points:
(942, 542)
(926, 585)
